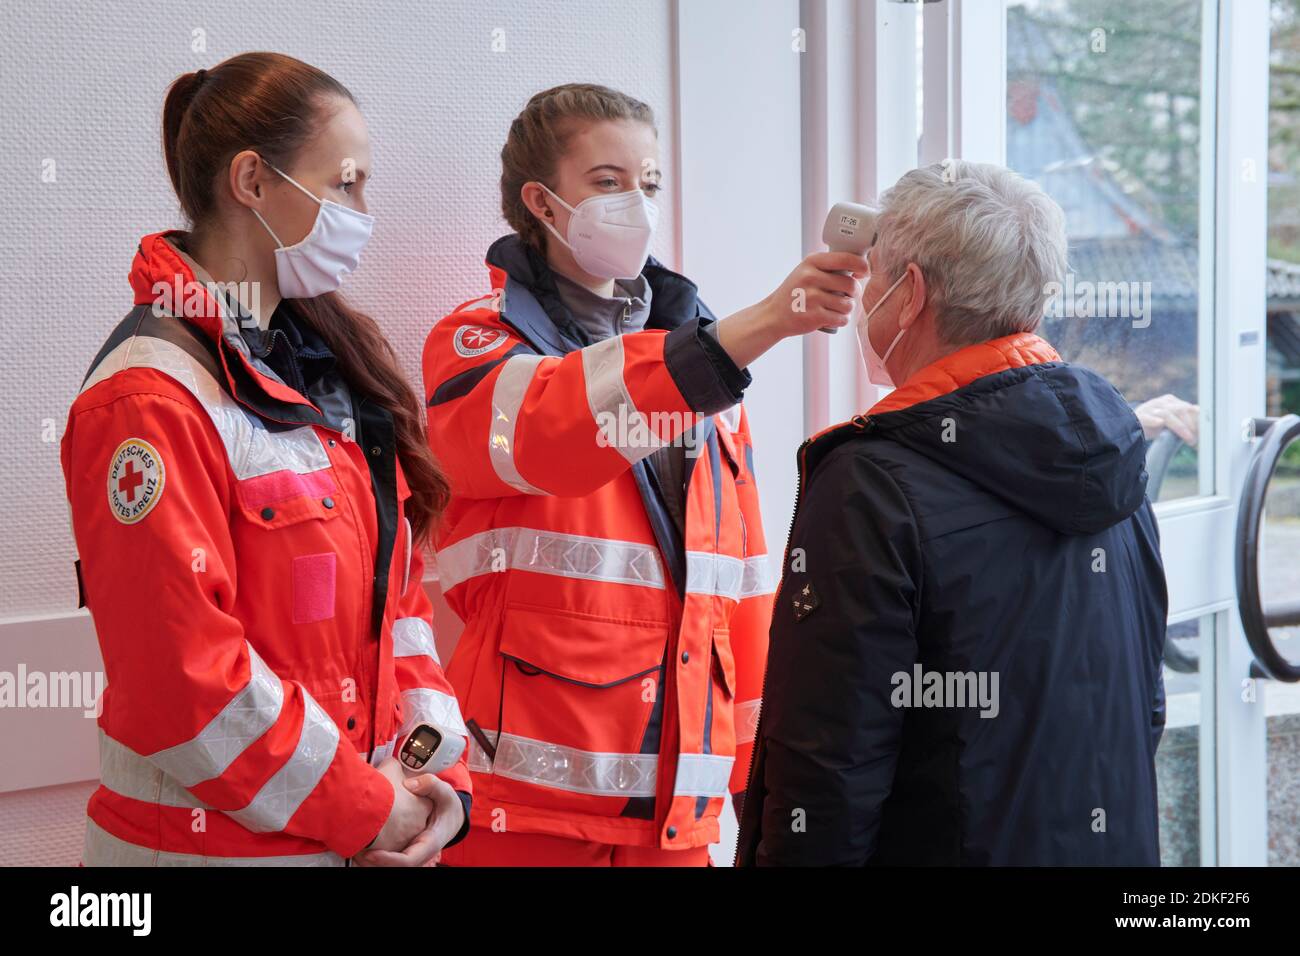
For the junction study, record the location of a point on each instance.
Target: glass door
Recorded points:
(1120, 131)
(1278, 544)
(1148, 123)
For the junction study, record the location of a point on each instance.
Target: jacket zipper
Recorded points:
(374, 709)
(865, 423)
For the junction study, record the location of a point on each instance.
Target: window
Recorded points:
(1104, 112)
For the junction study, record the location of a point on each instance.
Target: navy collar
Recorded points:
(304, 340)
(531, 304)
(293, 350)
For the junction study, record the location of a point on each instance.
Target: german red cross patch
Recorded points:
(135, 480)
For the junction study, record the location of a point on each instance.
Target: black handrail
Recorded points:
(1256, 619)
(1160, 453)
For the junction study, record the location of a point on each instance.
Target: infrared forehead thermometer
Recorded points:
(430, 748)
(849, 227)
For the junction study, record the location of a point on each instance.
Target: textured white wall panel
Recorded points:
(44, 827)
(82, 88)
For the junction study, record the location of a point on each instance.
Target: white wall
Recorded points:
(83, 87)
(86, 92)
(740, 204)
(741, 217)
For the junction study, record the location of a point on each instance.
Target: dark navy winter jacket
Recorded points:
(965, 657)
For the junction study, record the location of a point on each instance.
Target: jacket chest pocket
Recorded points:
(291, 515)
(282, 499)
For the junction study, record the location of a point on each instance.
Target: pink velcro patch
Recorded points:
(313, 587)
(284, 484)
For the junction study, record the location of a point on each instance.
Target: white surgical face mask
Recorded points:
(332, 249)
(609, 235)
(877, 373)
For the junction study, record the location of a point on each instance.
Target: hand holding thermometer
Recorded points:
(430, 749)
(850, 227)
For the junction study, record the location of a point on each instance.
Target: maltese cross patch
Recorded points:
(805, 602)
(472, 340)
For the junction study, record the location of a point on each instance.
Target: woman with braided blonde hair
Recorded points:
(603, 543)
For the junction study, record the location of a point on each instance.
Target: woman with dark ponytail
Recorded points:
(251, 488)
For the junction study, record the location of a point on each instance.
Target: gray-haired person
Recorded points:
(965, 655)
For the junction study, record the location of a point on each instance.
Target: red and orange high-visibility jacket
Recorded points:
(609, 672)
(265, 635)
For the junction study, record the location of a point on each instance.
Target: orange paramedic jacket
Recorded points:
(608, 672)
(259, 657)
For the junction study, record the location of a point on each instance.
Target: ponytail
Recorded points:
(178, 100)
(274, 104)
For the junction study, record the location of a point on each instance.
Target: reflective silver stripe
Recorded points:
(422, 705)
(702, 775)
(128, 774)
(487, 301)
(549, 552)
(104, 849)
(251, 449)
(567, 768)
(725, 576)
(282, 795)
(759, 578)
(476, 757)
(746, 717)
(719, 574)
(731, 417)
(413, 637)
(507, 395)
(250, 713)
(607, 395)
(383, 752)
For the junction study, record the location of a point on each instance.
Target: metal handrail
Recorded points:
(1277, 434)
(1160, 453)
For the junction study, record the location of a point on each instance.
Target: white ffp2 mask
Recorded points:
(877, 373)
(318, 263)
(609, 235)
